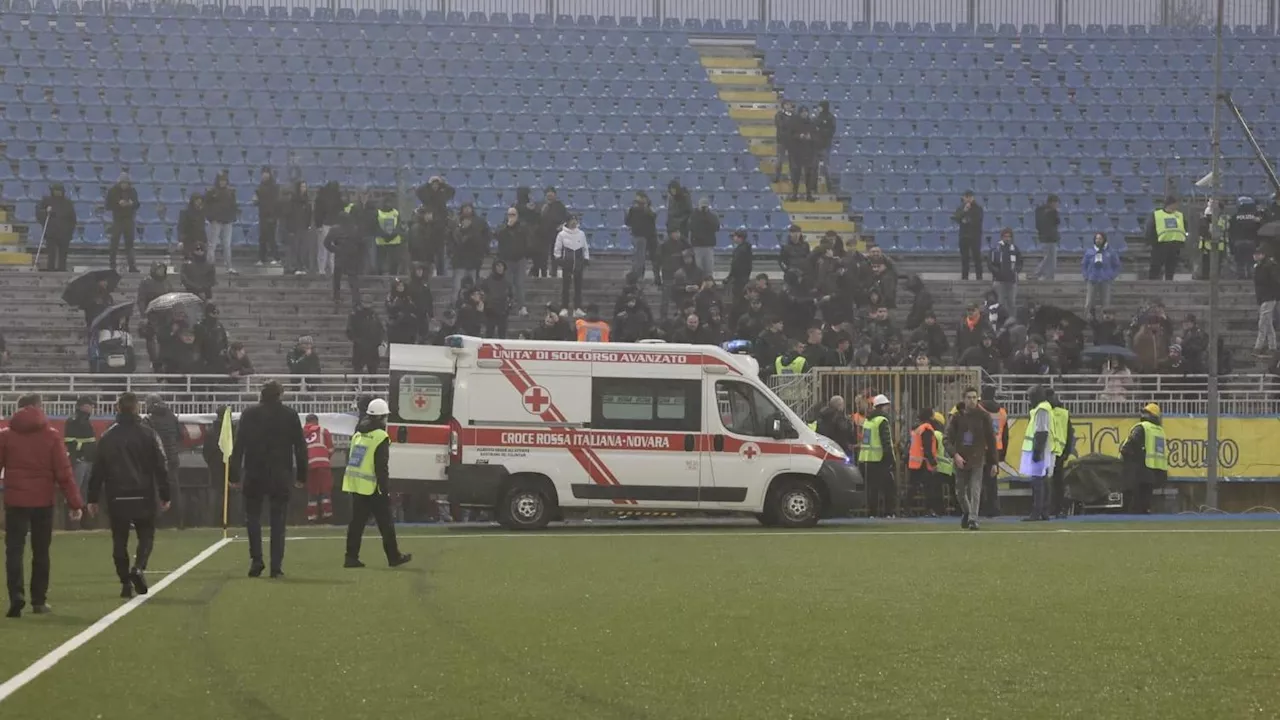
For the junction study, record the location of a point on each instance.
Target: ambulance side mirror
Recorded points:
(777, 430)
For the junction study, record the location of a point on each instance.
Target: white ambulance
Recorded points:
(537, 430)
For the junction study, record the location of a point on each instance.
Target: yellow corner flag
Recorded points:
(225, 436)
(225, 442)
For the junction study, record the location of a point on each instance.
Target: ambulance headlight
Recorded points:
(831, 448)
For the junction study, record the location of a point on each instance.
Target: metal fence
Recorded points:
(187, 394)
(971, 13)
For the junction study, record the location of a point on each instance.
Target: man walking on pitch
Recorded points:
(132, 470)
(366, 480)
(33, 460)
(971, 441)
(269, 451)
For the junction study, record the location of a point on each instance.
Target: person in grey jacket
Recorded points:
(166, 426)
(221, 210)
(1048, 235)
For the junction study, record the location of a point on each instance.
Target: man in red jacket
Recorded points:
(33, 459)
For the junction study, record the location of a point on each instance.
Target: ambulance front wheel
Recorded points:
(792, 504)
(526, 505)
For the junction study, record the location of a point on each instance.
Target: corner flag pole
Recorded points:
(225, 444)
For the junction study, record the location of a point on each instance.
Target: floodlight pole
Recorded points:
(1215, 263)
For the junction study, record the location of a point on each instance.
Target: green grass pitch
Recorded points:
(911, 621)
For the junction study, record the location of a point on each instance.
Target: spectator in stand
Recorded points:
(1166, 233)
(497, 299)
(1243, 232)
(838, 306)
(1100, 267)
(447, 326)
(366, 334)
(815, 353)
(553, 327)
(572, 254)
(328, 213)
(4, 353)
(238, 363)
(883, 277)
(932, 338)
(973, 326)
(983, 355)
(1106, 331)
(182, 357)
(431, 235)
(471, 314)
(630, 290)
(1195, 344)
(798, 306)
(679, 208)
(1031, 359)
(1006, 265)
(794, 254)
(122, 201)
(98, 303)
(771, 343)
(824, 132)
(691, 333)
(221, 210)
(211, 339)
(155, 284)
(1048, 236)
(388, 238)
(1174, 363)
(708, 299)
(419, 290)
(642, 221)
(57, 215)
(191, 225)
(435, 196)
(297, 217)
(687, 280)
(551, 219)
(921, 303)
(1266, 290)
(402, 316)
(1150, 346)
(267, 200)
(516, 241)
(752, 321)
(348, 243)
(198, 275)
(470, 245)
(969, 217)
(835, 424)
(670, 260)
(803, 155)
(783, 123)
(631, 321)
(740, 265)
(1115, 383)
(303, 361)
(703, 226)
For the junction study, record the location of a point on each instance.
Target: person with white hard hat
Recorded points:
(366, 479)
(876, 455)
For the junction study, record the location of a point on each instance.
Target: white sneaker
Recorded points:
(260, 264)
(523, 312)
(299, 272)
(275, 263)
(233, 271)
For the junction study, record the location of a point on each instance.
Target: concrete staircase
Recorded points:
(12, 248)
(744, 84)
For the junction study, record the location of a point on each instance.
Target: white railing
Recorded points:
(188, 394)
(1123, 395)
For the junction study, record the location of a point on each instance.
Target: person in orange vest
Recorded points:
(858, 417)
(990, 505)
(319, 470)
(592, 328)
(922, 461)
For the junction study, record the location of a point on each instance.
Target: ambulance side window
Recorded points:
(646, 404)
(424, 398)
(744, 410)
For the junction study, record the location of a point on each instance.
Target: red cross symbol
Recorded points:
(536, 399)
(750, 451)
(420, 401)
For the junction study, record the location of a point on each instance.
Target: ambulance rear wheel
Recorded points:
(526, 506)
(794, 504)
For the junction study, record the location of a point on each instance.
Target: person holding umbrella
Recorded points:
(91, 292)
(57, 215)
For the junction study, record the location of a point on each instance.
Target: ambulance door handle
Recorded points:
(402, 434)
(718, 443)
(689, 443)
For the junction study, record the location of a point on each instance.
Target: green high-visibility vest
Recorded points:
(360, 477)
(388, 221)
(945, 465)
(1169, 227)
(871, 450)
(1218, 237)
(795, 367)
(1029, 437)
(1058, 420)
(814, 426)
(1155, 456)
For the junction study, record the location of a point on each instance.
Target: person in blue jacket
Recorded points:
(1100, 267)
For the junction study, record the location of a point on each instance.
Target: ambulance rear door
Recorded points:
(421, 397)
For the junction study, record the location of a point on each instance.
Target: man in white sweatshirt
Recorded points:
(572, 253)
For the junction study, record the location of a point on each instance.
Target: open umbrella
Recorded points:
(1047, 316)
(1105, 351)
(82, 288)
(162, 310)
(111, 317)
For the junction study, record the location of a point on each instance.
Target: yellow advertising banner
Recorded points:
(1249, 447)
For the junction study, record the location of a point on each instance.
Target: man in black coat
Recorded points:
(740, 264)
(366, 334)
(269, 451)
(803, 155)
(57, 215)
(132, 471)
(783, 120)
(166, 426)
(824, 132)
(122, 201)
(969, 217)
(346, 241)
(267, 198)
(551, 217)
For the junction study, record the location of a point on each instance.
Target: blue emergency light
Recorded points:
(737, 347)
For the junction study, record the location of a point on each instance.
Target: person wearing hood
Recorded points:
(367, 480)
(198, 275)
(1100, 267)
(81, 441)
(1037, 451)
(572, 255)
(57, 215)
(296, 218)
(303, 361)
(221, 209)
(803, 156)
(932, 337)
(984, 355)
(551, 218)
(167, 428)
(191, 231)
(132, 472)
(211, 339)
(1242, 230)
(876, 456)
(472, 314)
(122, 202)
(794, 254)
(419, 290)
(497, 299)
(388, 238)
(703, 226)
(347, 242)
(679, 208)
(783, 123)
(470, 245)
(824, 132)
(632, 321)
(435, 194)
(921, 302)
(553, 327)
(269, 455)
(1146, 459)
(236, 362)
(328, 213)
(155, 284)
(34, 461)
(642, 221)
(366, 333)
(515, 241)
(267, 199)
(402, 316)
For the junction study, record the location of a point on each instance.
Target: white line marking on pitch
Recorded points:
(39, 667)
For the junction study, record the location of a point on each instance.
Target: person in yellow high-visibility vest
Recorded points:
(1037, 451)
(1146, 458)
(1166, 233)
(366, 480)
(875, 454)
(1062, 437)
(388, 239)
